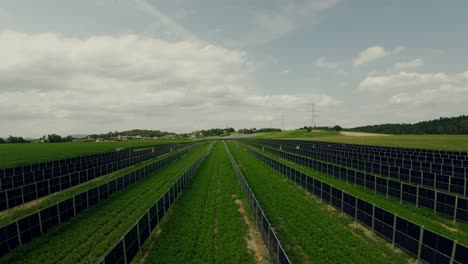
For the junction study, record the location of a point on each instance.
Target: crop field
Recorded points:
(206, 224)
(327, 238)
(241, 201)
(12, 155)
(86, 237)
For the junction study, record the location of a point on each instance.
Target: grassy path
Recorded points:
(311, 231)
(205, 225)
(88, 236)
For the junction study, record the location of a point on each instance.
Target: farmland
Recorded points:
(205, 223)
(304, 198)
(317, 241)
(87, 237)
(12, 155)
(436, 142)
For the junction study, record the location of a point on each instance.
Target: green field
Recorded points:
(422, 216)
(12, 155)
(18, 212)
(204, 225)
(310, 231)
(435, 142)
(299, 133)
(87, 237)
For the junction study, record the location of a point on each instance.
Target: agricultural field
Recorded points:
(299, 133)
(12, 155)
(435, 142)
(88, 236)
(328, 238)
(208, 222)
(439, 223)
(215, 218)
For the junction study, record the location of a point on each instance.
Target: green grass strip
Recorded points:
(87, 237)
(205, 225)
(310, 230)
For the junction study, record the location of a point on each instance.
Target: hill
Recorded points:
(444, 125)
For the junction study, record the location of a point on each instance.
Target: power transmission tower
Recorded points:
(314, 116)
(282, 121)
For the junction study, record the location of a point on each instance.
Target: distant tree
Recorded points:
(12, 139)
(54, 138)
(443, 125)
(338, 128)
(2, 141)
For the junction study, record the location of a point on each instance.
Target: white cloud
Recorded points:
(420, 88)
(405, 79)
(322, 62)
(374, 53)
(53, 83)
(416, 63)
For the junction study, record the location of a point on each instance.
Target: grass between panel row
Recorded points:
(439, 190)
(88, 236)
(205, 225)
(422, 216)
(12, 155)
(310, 230)
(13, 214)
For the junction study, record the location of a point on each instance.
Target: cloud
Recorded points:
(374, 53)
(406, 80)
(323, 63)
(416, 63)
(54, 83)
(420, 88)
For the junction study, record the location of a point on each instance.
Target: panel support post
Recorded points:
(452, 257)
(421, 236)
(394, 229)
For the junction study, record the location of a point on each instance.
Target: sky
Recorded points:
(71, 67)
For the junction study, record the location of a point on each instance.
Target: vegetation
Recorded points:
(205, 225)
(18, 212)
(300, 133)
(133, 132)
(14, 140)
(54, 138)
(12, 155)
(254, 130)
(443, 125)
(214, 132)
(88, 236)
(422, 216)
(436, 142)
(309, 230)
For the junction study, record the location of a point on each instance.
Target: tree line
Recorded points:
(12, 139)
(261, 130)
(443, 125)
(132, 133)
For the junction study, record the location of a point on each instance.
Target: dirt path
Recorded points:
(254, 239)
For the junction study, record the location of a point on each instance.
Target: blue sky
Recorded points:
(95, 66)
